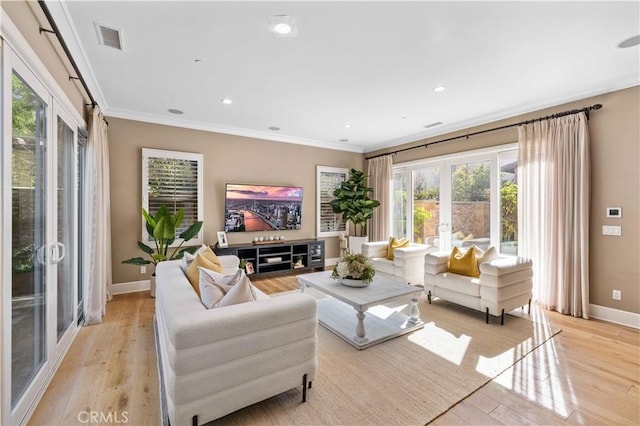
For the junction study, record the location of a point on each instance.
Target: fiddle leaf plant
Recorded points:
(353, 201)
(162, 226)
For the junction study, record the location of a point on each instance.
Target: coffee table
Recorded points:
(336, 313)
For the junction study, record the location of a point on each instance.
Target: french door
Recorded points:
(459, 200)
(40, 225)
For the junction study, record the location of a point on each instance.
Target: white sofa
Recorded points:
(407, 263)
(216, 361)
(504, 284)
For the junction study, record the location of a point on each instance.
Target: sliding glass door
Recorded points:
(29, 270)
(40, 229)
(459, 200)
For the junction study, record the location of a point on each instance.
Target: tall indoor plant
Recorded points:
(353, 201)
(162, 226)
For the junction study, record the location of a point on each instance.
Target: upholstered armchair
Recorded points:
(407, 263)
(505, 283)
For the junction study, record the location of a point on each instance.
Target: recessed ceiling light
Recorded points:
(197, 61)
(226, 101)
(437, 123)
(274, 128)
(175, 111)
(439, 89)
(343, 140)
(282, 28)
(347, 126)
(630, 42)
(283, 25)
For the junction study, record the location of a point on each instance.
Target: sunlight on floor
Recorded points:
(384, 312)
(536, 376)
(442, 343)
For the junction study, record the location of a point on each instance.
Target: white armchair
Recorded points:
(504, 284)
(407, 263)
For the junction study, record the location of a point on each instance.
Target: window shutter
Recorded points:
(329, 178)
(173, 179)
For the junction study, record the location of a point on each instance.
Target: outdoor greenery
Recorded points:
(353, 201)
(163, 227)
(471, 185)
(509, 211)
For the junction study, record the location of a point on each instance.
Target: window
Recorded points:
(329, 224)
(463, 199)
(173, 179)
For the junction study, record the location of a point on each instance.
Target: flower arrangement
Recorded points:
(354, 266)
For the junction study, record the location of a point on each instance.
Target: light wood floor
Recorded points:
(588, 374)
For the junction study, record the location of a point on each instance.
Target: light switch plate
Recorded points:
(611, 230)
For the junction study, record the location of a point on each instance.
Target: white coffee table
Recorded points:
(382, 323)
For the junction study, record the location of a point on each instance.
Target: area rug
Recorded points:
(409, 380)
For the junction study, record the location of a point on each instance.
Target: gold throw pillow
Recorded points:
(395, 243)
(464, 263)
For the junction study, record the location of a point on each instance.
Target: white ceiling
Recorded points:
(370, 65)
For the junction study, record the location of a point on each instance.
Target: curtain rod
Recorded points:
(55, 30)
(547, 117)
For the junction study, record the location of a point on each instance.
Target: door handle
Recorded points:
(58, 252)
(41, 255)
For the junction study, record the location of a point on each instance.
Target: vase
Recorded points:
(153, 286)
(350, 282)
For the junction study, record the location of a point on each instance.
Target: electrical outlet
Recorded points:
(143, 269)
(617, 295)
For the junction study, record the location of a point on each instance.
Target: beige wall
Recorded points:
(615, 182)
(227, 158)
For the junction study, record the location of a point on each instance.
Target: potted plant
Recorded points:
(354, 270)
(163, 227)
(353, 201)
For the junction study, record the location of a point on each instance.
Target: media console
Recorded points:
(287, 256)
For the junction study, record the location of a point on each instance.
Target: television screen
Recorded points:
(262, 208)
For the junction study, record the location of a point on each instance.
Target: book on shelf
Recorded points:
(274, 259)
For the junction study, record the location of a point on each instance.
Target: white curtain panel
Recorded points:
(98, 221)
(554, 181)
(380, 170)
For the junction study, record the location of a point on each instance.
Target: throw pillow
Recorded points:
(464, 263)
(486, 256)
(395, 243)
(187, 257)
(208, 260)
(468, 237)
(240, 293)
(213, 286)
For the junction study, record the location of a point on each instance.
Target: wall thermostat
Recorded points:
(614, 211)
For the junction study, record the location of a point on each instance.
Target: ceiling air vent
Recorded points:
(437, 123)
(109, 37)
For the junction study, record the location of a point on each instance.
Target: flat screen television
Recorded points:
(251, 208)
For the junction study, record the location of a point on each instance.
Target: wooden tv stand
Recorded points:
(278, 257)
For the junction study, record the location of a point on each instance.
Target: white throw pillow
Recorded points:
(187, 258)
(240, 293)
(217, 290)
(210, 293)
(486, 256)
(214, 285)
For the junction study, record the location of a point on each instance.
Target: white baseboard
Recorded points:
(615, 316)
(130, 287)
